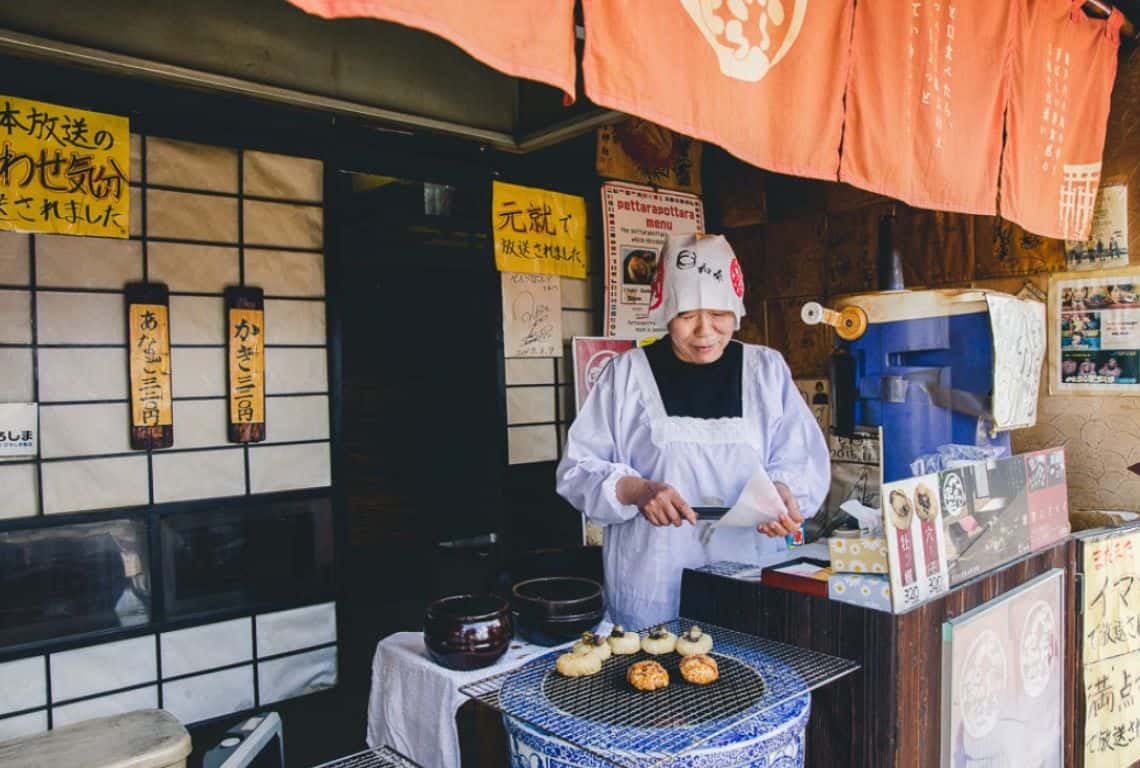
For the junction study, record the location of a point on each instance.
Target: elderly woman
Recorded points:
(687, 421)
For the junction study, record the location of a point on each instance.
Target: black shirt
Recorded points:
(703, 391)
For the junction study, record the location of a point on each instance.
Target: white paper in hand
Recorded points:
(759, 503)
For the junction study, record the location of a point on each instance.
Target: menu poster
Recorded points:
(1002, 679)
(1107, 245)
(636, 221)
(916, 552)
(1095, 336)
(985, 516)
(149, 365)
(591, 356)
(532, 315)
(817, 394)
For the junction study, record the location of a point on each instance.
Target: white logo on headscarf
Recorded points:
(744, 37)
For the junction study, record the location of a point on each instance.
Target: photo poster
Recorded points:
(591, 356)
(985, 516)
(1019, 337)
(646, 153)
(1107, 245)
(856, 473)
(1003, 679)
(532, 315)
(1094, 338)
(1110, 647)
(916, 552)
(817, 394)
(636, 221)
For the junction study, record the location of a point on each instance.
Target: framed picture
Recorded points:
(1002, 679)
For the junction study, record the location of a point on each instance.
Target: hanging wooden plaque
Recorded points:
(148, 339)
(245, 348)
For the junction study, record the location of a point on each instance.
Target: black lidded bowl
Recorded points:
(555, 609)
(466, 632)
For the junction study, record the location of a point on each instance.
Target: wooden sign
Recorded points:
(245, 348)
(148, 339)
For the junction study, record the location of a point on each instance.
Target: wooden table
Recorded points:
(888, 713)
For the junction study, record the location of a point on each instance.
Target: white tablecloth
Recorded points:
(413, 701)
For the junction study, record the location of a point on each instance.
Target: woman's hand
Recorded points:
(787, 523)
(659, 503)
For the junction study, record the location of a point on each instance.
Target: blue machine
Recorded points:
(922, 369)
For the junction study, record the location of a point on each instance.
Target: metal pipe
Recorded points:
(1100, 7)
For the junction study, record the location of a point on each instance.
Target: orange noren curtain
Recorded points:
(522, 38)
(925, 101)
(762, 80)
(1064, 64)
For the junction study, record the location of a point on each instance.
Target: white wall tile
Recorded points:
(528, 405)
(19, 484)
(289, 467)
(135, 172)
(189, 267)
(82, 430)
(283, 224)
(24, 684)
(83, 374)
(577, 294)
(115, 704)
(575, 323)
(198, 475)
(197, 320)
(296, 370)
(294, 322)
(15, 317)
(188, 216)
(105, 667)
(80, 318)
(198, 649)
(214, 694)
(16, 383)
(87, 262)
(531, 444)
(198, 372)
(294, 178)
(200, 423)
(296, 628)
(14, 258)
(523, 370)
(23, 725)
(73, 486)
(296, 418)
(136, 227)
(286, 273)
(298, 675)
(194, 166)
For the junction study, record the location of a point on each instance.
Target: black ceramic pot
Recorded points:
(468, 631)
(553, 610)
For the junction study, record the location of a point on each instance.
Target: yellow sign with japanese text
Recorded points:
(247, 366)
(538, 231)
(151, 396)
(63, 170)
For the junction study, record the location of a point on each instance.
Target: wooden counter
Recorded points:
(888, 713)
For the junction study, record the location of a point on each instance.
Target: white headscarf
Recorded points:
(696, 272)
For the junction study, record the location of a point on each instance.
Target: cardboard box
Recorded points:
(866, 590)
(865, 554)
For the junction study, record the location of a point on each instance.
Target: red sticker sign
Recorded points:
(737, 279)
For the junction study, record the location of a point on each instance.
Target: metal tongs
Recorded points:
(710, 514)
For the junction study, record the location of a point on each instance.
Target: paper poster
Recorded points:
(18, 429)
(817, 394)
(636, 222)
(1018, 329)
(591, 356)
(1107, 245)
(915, 549)
(532, 315)
(538, 231)
(245, 348)
(1048, 499)
(1095, 336)
(1112, 712)
(1003, 679)
(646, 153)
(64, 170)
(856, 473)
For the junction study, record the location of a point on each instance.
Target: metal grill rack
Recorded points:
(728, 568)
(602, 714)
(381, 757)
